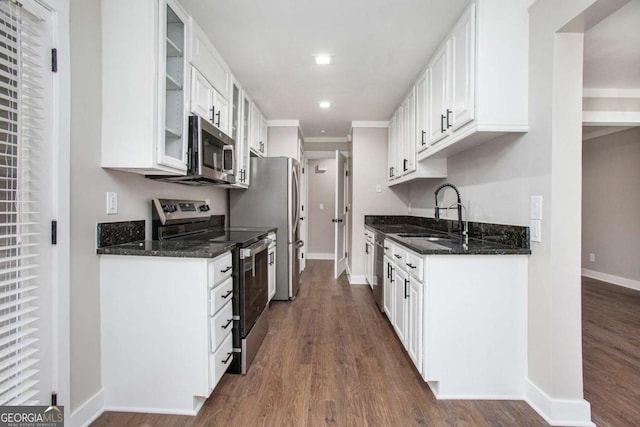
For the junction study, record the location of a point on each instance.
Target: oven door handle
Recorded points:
(254, 249)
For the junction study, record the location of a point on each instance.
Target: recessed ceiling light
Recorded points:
(323, 59)
(324, 104)
(323, 131)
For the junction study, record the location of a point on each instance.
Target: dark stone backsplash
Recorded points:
(511, 235)
(117, 233)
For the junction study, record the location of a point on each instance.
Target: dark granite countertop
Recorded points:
(499, 241)
(178, 248)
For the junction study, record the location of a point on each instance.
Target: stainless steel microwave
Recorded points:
(210, 156)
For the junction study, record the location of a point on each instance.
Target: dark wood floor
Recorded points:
(611, 353)
(331, 358)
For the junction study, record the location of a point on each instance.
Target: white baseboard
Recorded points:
(558, 412)
(152, 410)
(89, 411)
(316, 255)
(610, 278)
(358, 280)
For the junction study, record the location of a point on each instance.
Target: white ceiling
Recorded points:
(612, 50)
(379, 48)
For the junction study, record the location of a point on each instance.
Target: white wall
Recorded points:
(611, 204)
(369, 169)
(322, 189)
(89, 183)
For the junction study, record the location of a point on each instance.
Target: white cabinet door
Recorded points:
(220, 112)
(272, 271)
(256, 124)
(463, 69)
(236, 130)
(391, 160)
(389, 282)
(172, 150)
(438, 95)
(399, 142)
(368, 250)
(409, 147)
(264, 132)
(204, 56)
(400, 320)
(414, 316)
(201, 95)
(245, 135)
(422, 112)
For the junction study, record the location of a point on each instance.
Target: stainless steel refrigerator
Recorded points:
(273, 200)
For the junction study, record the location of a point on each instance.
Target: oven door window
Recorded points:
(254, 289)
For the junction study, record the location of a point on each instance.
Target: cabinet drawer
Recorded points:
(220, 361)
(414, 265)
(220, 268)
(220, 295)
(388, 248)
(398, 255)
(221, 325)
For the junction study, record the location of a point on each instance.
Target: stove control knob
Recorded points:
(204, 208)
(166, 208)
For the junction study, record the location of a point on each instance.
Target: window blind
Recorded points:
(22, 70)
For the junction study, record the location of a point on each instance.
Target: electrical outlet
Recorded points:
(592, 257)
(112, 203)
(536, 230)
(378, 188)
(321, 206)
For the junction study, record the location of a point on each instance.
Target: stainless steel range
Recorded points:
(191, 220)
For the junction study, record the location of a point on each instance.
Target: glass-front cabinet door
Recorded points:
(172, 137)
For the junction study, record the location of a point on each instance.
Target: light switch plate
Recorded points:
(535, 207)
(536, 230)
(378, 188)
(321, 206)
(112, 203)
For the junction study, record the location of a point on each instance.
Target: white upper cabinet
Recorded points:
(145, 82)
(474, 89)
(207, 60)
(258, 132)
(207, 102)
(463, 51)
(422, 92)
(479, 79)
(438, 97)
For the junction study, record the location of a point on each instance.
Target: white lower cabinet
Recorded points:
(400, 306)
(271, 260)
(166, 331)
(462, 320)
(414, 320)
(388, 289)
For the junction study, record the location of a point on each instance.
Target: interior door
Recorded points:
(340, 254)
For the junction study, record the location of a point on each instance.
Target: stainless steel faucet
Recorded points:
(462, 229)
